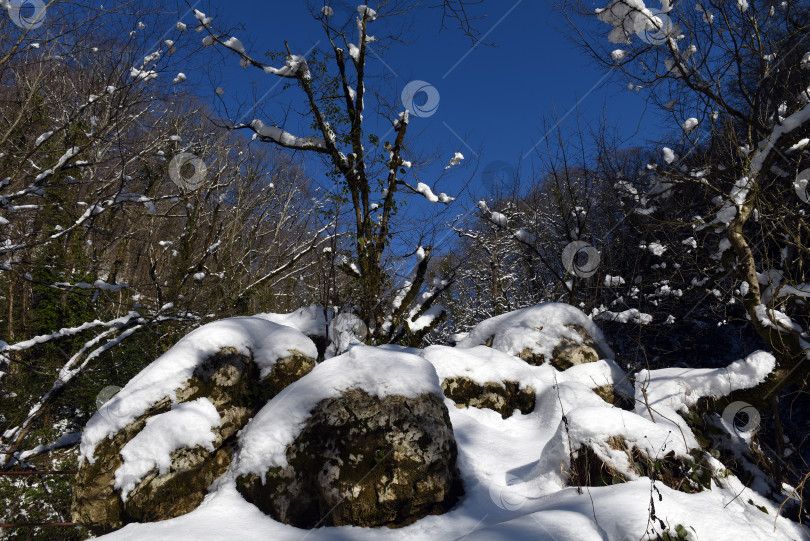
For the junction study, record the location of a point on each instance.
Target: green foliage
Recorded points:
(40, 499)
(679, 533)
(379, 455)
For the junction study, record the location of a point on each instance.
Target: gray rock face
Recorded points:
(231, 382)
(364, 461)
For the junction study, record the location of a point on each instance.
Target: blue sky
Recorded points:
(492, 99)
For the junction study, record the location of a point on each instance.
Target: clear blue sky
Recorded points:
(492, 99)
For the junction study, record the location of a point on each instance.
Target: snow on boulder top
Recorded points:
(480, 364)
(594, 426)
(539, 328)
(378, 372)
(184, 426)
(266, 341)
(485, 365)
(680, 388)
(309, 320)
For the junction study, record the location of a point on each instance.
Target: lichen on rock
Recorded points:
(503, 397)
(364, 461)
(231, 381)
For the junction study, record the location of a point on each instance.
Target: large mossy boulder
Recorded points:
(234, 383)
(365, 439)
(363, 461)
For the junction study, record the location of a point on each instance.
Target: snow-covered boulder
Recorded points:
(555, 332)
(481, 377)
(311, 320)
(600, 446)
(152, 450)
(364, 439)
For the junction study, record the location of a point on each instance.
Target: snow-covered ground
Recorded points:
(514, 469)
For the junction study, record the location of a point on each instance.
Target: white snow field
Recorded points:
(513, 469)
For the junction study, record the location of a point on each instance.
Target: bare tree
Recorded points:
(370, 173)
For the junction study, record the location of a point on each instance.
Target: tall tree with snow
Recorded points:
(370, 174)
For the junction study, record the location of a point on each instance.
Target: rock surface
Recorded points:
(570, 353)
(231, 382)
(503, 397)
(365, 461)
(549, 332)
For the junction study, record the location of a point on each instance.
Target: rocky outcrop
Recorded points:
(365, 461)
(231, 382)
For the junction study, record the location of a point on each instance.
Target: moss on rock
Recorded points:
(503, 397)
(364, 461)
(688, 475)
(231, 382)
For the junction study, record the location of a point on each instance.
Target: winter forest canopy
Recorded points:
(412, 269)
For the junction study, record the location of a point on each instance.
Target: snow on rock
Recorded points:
(309, 320)
(378, 372)
(680, 388)
(514, 470)
(538, 328)
(482, 365)
(186, 425)
(265, 341)
(513, 484)
(595, 426)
